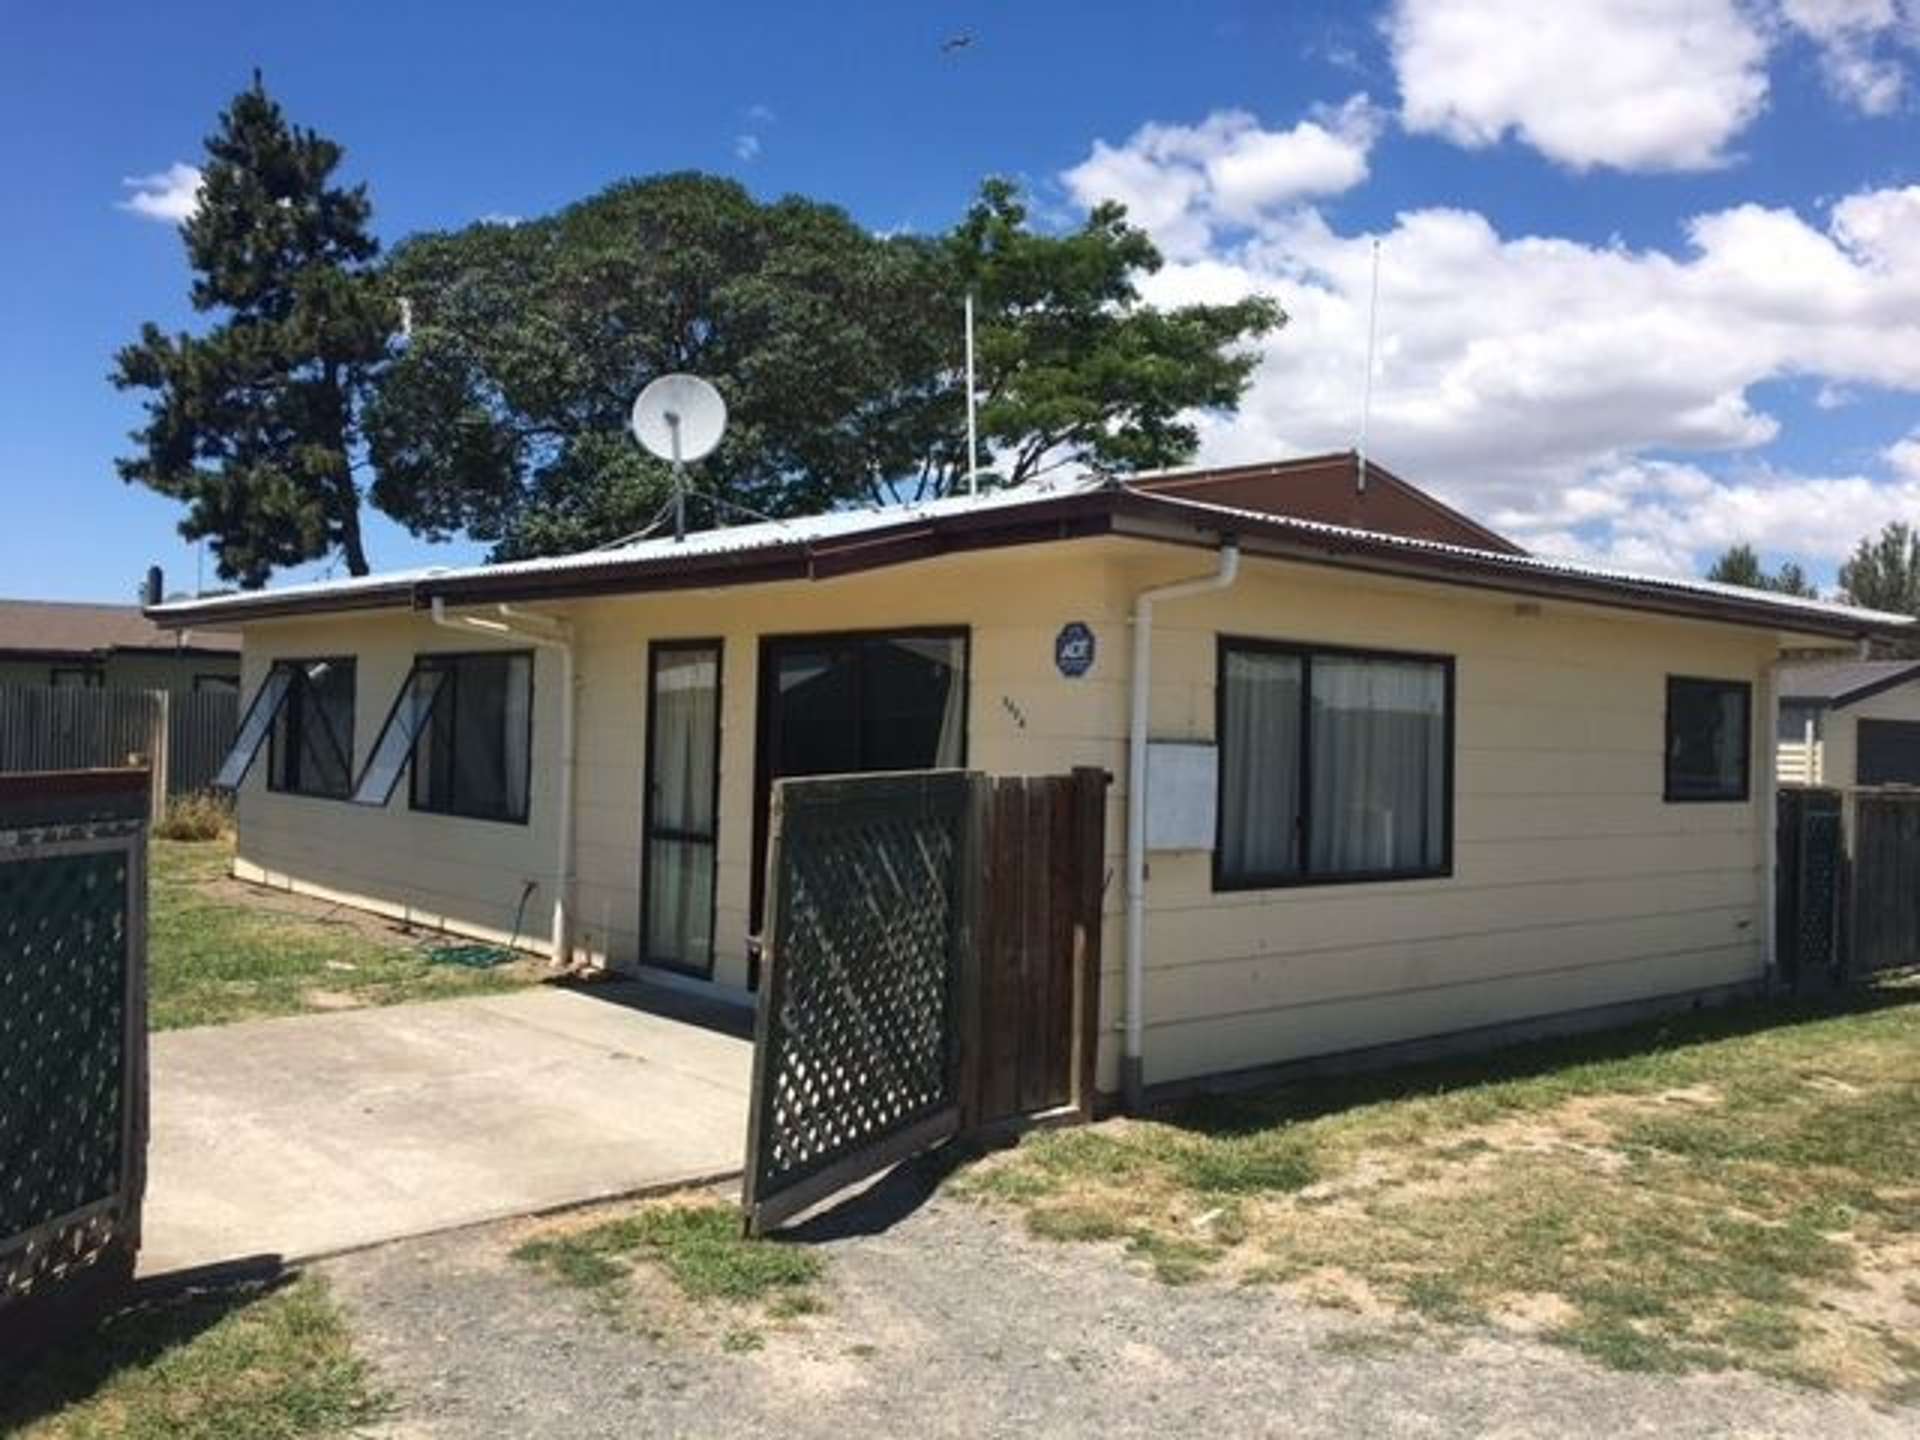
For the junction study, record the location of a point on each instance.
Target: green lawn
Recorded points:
(218, 952)
(1740, 1188)
(244, 1366)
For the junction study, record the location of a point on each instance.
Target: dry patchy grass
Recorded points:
(1737, 1189)
(220, 951)
(233, 1366)
(680, 1267)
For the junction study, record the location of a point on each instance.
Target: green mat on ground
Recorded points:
(471, 957)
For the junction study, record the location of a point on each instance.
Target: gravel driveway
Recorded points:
(946, 1320)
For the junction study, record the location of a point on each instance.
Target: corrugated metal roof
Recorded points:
(801, 535)
(1842, 681)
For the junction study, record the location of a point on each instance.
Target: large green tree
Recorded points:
(1073, 367)
(1741, 566)
(504, 415)
(839, 353)
(1884, 574)
(254, 423)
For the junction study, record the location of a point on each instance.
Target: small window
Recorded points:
(1334, 765)
(1709, 738)
(77, 677)
(216, 684)
(1889, 752)
(310, 749)
(472, 755)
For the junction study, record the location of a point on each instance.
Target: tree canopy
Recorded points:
(838, 352)
(1741, 566)
(254, 423)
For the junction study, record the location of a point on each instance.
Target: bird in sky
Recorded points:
(955, 43)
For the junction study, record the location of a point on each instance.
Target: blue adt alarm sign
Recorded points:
(1073, 649)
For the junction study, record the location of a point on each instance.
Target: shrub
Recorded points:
(202, 815)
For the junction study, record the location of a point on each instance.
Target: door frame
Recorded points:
(763, 777)
(656, 649)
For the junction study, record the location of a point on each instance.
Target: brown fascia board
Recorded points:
(1279, 539)
(269, 606)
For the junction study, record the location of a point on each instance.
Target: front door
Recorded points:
(852, 704)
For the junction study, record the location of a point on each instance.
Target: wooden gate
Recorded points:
(931, 965)
(73, 1026)
(1884, 933)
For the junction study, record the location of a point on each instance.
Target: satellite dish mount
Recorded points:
(679, 418)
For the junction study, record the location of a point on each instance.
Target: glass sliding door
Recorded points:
(848, 704)
(682, 805)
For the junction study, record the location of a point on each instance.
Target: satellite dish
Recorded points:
(679, 418)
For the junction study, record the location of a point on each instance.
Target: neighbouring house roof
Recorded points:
(1840, 683)
(846, 541)
(1333, 489)
(63, 630)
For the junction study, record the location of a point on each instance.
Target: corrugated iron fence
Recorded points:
(931, 966)
(1884, 928)
(73, 1057)
(181, 738)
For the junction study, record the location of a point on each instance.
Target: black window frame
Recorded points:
(296, 665)
(1304, 651)
(93, 676)
(1668, 793)
(1872, 737)
(655, 649)
(419, 782)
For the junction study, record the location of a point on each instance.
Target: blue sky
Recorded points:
(1650, 274)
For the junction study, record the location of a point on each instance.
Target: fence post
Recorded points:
(160, 753)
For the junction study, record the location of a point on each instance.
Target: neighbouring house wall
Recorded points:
(125, 671)
(1841, 763)
(1574, 884)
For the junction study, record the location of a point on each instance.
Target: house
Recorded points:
(1444, 786)
(48, 642)
(1850, 722)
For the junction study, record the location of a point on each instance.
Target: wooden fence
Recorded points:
(179, 738)
(1883, 931)
(73, 1056)
(931, 967)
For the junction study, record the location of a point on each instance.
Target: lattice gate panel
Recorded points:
(72, 1041)
(856, 1061)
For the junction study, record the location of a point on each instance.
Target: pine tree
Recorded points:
(1741, 566)
(254, 424)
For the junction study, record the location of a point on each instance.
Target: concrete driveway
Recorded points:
(319, 1133)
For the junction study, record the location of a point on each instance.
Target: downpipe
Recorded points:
(545, 632)
(1132, 1068)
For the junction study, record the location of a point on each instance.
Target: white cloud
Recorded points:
(760, 114)
(1859, 43)
(1630, 84)
(1178, 180)
(746, 147)
(172, 195)
(1534, 378)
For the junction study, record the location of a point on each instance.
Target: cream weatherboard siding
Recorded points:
(1574, 885)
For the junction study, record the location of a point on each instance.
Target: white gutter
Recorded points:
(552, 634)
(1133, 1049)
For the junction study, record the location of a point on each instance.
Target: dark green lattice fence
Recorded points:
(72, 1040)
(857, 1056)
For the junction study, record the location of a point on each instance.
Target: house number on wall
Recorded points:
(1073, 649)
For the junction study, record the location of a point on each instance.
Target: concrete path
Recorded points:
(314, 1134)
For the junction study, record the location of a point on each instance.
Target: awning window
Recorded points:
(254, 726)
(394, 746)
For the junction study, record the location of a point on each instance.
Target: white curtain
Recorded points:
(680, 852)
(949, 652)
(1260, 765)
(1379, 765)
